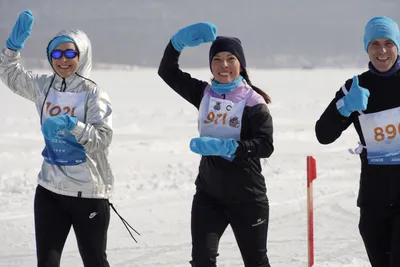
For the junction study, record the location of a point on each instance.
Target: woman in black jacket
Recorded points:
(371, 102)
(235, 132)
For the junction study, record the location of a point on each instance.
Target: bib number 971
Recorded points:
(216, 118)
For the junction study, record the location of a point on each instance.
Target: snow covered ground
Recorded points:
(155, 173)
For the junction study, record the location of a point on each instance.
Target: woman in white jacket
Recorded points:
(75, 181)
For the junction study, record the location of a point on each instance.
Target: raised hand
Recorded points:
(193, 35)
(21, 31)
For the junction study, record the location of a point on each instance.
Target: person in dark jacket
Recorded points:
(371, 102)
(236, 130)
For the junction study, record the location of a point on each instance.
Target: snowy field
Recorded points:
(155, 173)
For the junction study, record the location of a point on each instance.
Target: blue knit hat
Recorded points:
(381, 27)
(55, 42)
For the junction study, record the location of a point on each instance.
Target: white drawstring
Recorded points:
(358, 150)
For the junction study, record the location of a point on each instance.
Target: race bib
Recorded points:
(220, 118)
(381, 132)
(64, 149)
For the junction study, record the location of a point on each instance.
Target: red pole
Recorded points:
(311, 175)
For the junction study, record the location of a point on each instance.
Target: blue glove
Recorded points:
(193, 35)
(21, 31)
(355, 100)
(53, 125)
(208, 146)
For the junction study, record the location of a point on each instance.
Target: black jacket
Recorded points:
(379, 184)
(241, 179)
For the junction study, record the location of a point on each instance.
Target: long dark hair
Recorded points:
(245, 75)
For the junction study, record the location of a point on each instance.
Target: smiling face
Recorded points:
(63, 66)
(382, 54)
(225, 67)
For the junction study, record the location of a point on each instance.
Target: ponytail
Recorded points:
(266, 97)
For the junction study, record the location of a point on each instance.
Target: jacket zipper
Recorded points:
(63, 85)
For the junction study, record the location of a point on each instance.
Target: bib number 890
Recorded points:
(389, 132)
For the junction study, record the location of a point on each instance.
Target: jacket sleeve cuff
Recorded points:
(239, 150)
(79, 130)
(10, 53)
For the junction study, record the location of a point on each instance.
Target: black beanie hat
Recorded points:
(228, 44)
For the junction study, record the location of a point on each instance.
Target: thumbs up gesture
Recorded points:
(355, 100)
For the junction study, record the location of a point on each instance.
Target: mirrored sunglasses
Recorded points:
(69, 53)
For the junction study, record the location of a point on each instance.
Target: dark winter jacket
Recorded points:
(379, 184)
(241, 179)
